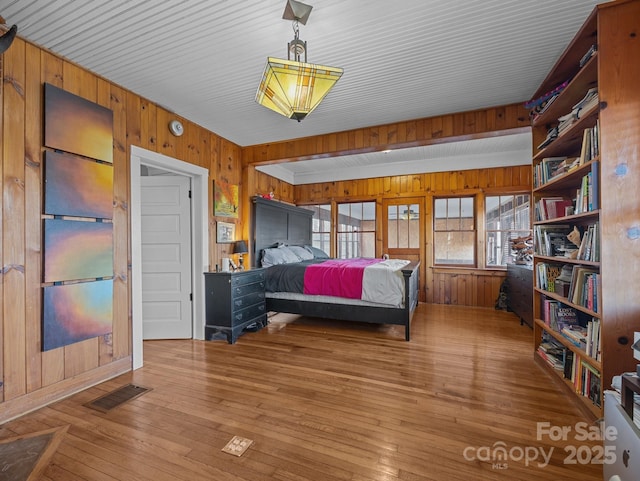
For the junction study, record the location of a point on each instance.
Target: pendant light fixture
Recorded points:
(293, 87)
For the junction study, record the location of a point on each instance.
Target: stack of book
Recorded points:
(552, 241)
(590, 244)
(551, 167)
(557, 315)
(552, 134)
(553, 352)
(586, 104)
(584, 287)
(546, 275)
(576, 334)
(541, 104)
(548, 208)
(588, 195)
(590, 143)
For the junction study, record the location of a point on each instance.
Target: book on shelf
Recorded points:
(547, 169)
(566, 316)
(593, 343)
(566, 121)
(548, 208)
(549, 310)
(563, 281)
(576, 334)
(546, 275)
(552, 134)
(567, 368)
(591, 385)
(590, 148)
(589, 53)
(553, 352)
(587, 103)
(583, 290)
(588, 195)
(542, 103)
(589, 249)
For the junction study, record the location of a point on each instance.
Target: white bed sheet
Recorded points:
(383, 282)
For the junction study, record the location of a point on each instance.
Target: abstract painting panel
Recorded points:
(74, 124)
(225, 199)
(75, 312)
(77, 250)
(77, 187)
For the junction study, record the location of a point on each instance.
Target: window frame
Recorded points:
(319, 234)
(474, 230)
(353, 233)
(510, 232)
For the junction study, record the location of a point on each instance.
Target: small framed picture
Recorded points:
(225, 232)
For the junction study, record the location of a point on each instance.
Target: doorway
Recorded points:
(199, 239)
(403, 231)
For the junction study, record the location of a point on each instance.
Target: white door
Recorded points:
(166, 257)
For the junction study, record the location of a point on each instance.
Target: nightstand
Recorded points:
(234, 303)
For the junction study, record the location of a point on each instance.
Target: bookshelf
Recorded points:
(586, 170)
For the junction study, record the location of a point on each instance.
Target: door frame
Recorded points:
(199, 240)
(421, 200)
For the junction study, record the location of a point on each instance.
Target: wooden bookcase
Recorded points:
(615, 172)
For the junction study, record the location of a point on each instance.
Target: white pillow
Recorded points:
(301, 252)
(278, 255)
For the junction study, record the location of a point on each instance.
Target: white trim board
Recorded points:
(200, 239)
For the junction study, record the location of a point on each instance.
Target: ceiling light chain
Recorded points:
(297, 47)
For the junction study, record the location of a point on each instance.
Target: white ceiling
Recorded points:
(402, 60)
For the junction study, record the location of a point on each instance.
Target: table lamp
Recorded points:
(240, 247)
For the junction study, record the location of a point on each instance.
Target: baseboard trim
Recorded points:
(22, 405)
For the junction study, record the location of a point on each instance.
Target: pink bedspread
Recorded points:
(337, 277)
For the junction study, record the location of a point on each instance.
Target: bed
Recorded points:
(279, 224)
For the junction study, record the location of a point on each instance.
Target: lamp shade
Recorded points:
(240, 247)
(293, 88)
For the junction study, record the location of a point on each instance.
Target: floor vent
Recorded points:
(116, 398)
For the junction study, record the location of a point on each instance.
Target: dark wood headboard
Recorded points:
(274, 222)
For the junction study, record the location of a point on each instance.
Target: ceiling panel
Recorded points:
(203, 59)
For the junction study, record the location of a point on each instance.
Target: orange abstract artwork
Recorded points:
(225, 199)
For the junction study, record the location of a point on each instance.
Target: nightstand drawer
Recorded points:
(248, 300)
(249, 313)
(247, 277)
(243, 290)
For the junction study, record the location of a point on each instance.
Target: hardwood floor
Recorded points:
(325, 400)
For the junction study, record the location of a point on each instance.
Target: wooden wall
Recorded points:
(30, 377)
(474, 287)
(440, 285)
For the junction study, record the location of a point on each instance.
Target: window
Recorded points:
(356, 230)
(506, 218)
(454, 231)
(403, 231)
(321, 226)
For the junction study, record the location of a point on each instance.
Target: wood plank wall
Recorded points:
(472, 287)
(467, 287)
(31, 377)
